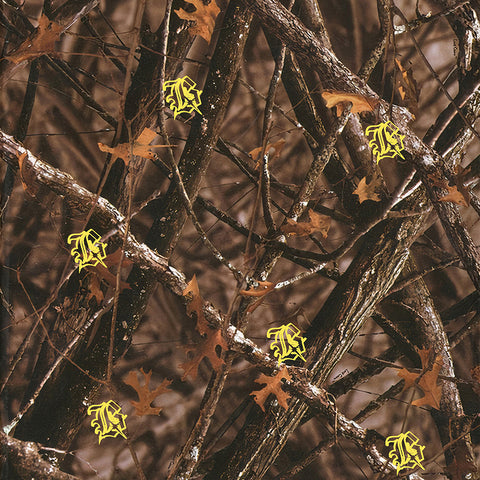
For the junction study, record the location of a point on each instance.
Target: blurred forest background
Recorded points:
(403, 275)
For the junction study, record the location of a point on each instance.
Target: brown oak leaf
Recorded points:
(206, 349)
(141, 147)
(42, 42)
(334, 98)
(427, 381)
(145, 395)
(407, 88)
(368, 191)
(204, 17)
(273, 385)
(27, 175)
(195, 305)
(276, 149)
(318, 223)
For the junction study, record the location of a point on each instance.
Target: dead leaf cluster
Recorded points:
(211, 339)
(318, 223)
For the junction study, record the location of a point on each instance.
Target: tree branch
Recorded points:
(24, 460)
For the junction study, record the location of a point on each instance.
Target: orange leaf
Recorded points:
(276, 149)
(206, 349)
(262, 289)
(368, 191)
(27, 176)
(195, 305)
(42, 42)
(145, 395)
(318, 223)
(204, 16)
(454, 196)
(339, 99)
(140, 147)
(273, 385)
(407, 88)
(427, 382)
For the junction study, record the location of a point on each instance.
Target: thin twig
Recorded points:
(62, 355)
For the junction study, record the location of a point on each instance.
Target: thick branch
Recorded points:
(24, 460)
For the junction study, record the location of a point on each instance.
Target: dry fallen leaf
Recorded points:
(141, 147)
(368, 191)
(195, 305)
(427, 382)
(42, 42)
(273, 385)
(276, 149)
(206, 349)
(318, 223)
(407, 88)
(27, 176)
(145, 395)
(204, 16)
(359, 103)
